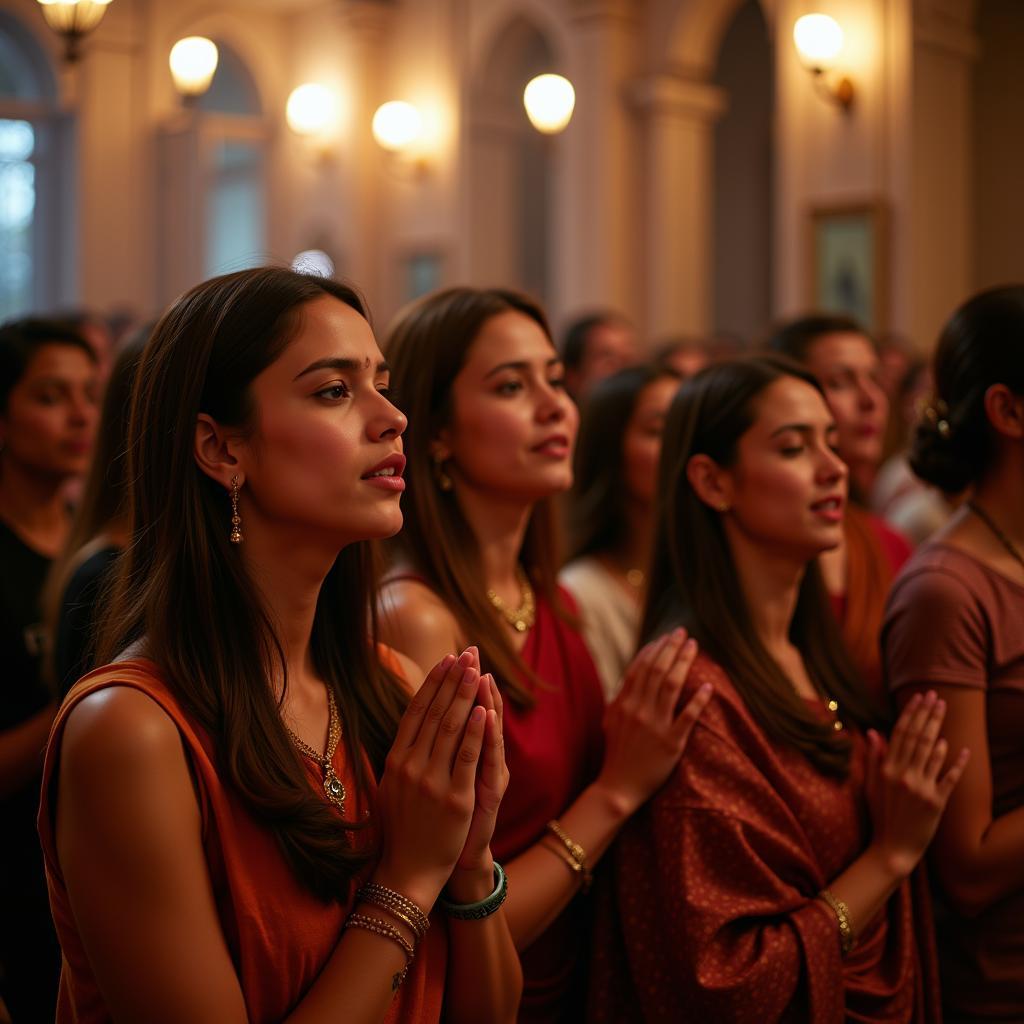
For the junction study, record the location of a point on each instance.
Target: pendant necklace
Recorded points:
(522, 618)
(334, 788)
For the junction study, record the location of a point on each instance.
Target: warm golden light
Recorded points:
(397, 125)
(73, 19)
(818, 39)
(193, 62)
(549, 102)
(312, 110)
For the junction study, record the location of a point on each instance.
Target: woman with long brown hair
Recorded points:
(769, 879)
(490, 449)
(239, 822)
(860, 569)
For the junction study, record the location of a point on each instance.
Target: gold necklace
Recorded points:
(333, 786)
(522, 618)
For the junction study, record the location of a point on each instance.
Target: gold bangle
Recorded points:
(847, 939)
(378, 927)
(396, 904)
(576, 852)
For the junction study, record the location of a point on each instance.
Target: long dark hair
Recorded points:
(426, 348)
(183, 592)
(597, 501)
(694, 580)
(981, 345)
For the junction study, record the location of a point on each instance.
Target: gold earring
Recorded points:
(444, 481)
(236, 519)
(723, 507)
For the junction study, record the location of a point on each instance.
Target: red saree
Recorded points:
(712, 913)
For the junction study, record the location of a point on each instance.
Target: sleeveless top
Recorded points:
(278, 933)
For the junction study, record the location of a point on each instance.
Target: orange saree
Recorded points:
(711, 909)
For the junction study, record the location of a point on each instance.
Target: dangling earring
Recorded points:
(236, 519)
(444, 481)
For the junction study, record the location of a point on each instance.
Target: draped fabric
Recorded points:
(553, 752)
(710, 910)
(278, 934)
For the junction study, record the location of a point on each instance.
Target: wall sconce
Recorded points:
(549, 102)
(819, 40)
(73, 20)
(398, 127)
(193, 62)
(312, 112)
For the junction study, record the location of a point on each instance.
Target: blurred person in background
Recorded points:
(48, 411)
(611, 511)
(595, 346)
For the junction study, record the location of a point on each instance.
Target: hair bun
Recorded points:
(939, 454)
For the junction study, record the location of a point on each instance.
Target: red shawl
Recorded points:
(713, 914)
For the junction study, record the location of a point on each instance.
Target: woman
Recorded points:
(48, 388)
(278, 876)
(954, 625)
(489, 450)
(769, 879)
(98, 533)
(611, 511)
(859, 571)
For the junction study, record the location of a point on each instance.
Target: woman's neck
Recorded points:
(33, 506)
(499, 526)
(634, 552)
(288, 572)
(1001, 495)
(770, 581)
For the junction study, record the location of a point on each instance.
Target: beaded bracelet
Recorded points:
(399, 906)
(482, 908)
(847, 939)
(387, 931)
(576, 853)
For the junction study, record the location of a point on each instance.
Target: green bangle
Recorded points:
(482, 908)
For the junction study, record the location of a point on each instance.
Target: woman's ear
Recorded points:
(710, 482)
(214, 450)
(1005, 411)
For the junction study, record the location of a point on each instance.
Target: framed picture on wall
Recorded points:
(422, 271)
(847, 262)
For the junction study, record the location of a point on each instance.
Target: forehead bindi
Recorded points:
(329, 330)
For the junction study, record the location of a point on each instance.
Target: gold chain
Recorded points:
(334, 788)
(522, 618)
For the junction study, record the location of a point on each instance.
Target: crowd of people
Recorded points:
(311, 715)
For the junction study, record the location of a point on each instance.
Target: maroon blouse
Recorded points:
(715, 885)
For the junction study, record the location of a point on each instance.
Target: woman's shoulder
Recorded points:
(583, 572)
(415, 621)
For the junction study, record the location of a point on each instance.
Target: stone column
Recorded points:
(596, 221)
(675, 202)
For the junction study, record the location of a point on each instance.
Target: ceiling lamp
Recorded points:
(193, 62)
(73, 20)
(549, 102)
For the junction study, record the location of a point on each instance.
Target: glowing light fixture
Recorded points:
(312, 110)
(193, 62)
(314, 262)
(549, 102)
(73, 20)
(397, 125)
(819, 41)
